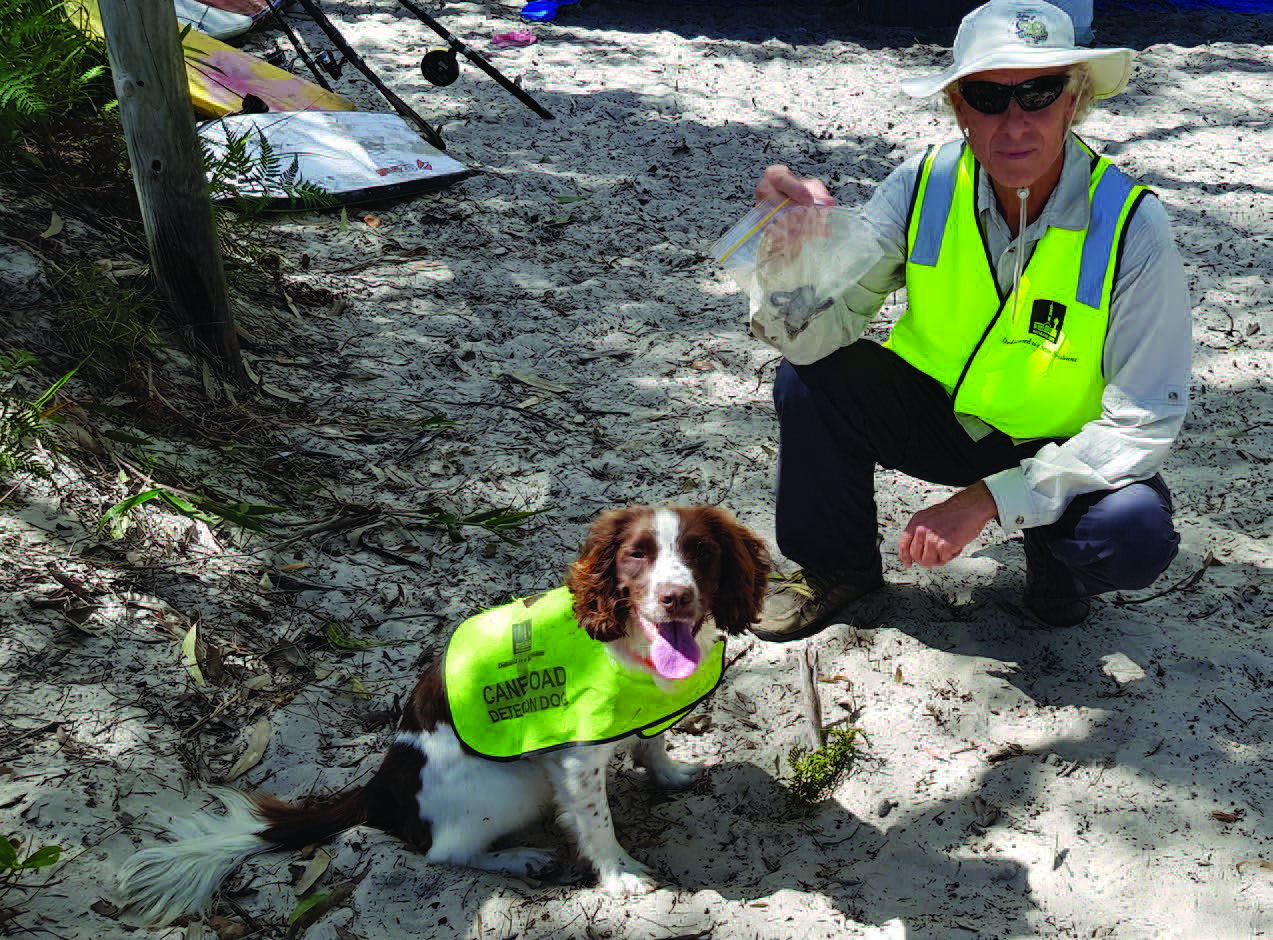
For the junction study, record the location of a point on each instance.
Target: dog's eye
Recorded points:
(703, 550)
(637, 553)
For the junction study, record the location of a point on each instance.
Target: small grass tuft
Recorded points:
(106, 323)
(815, 774)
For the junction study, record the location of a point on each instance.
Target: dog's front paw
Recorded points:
(627, 879)
(676, 774)
(523, 861)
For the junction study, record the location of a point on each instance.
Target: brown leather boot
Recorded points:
(791, 614)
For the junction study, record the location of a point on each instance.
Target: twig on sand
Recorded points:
(812, 704)
(1239, 718)
(1187, 582)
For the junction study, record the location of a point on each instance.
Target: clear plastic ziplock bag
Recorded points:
(794, 262)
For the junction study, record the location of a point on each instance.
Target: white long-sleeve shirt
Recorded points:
(1146, 358)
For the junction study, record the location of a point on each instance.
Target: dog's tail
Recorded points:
(164, 882)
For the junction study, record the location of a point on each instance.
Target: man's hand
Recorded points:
(939, 533)
(780, 183)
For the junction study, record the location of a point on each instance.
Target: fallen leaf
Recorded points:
(1263, 863)
(1224, 816)
(372, 220)
(1007, 752)
(258, 739)
(897, 676)
(295, 566)
(359, 690)
(227, 928)
(534, 381)
(78, 617)
(309, 910)
(275, 392)
(106, 909)
(313, 871)
(190, 655)
(695, 724)
(55, 226)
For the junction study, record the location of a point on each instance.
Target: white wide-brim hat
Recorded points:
(1023, 34)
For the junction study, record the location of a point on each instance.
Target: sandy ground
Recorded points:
(1107, 781)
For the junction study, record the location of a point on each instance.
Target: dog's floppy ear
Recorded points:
(600, 606)
(744, 573)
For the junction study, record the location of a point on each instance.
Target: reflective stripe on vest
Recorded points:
(1038, 374)
(524, 678)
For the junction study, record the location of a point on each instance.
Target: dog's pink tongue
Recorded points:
(674, 651)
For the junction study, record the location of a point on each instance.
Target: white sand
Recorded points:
(1132, 730)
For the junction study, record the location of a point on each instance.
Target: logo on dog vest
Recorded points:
(521, 638)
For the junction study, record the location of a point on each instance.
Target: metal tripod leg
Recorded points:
(430, 133)
(477, 59)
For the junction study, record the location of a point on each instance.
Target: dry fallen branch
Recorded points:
(1183, 584)
(812, 704)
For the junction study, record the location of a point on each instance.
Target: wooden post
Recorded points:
(154, 107)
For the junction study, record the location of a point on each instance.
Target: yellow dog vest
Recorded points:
(1034, 374)
(525, 678)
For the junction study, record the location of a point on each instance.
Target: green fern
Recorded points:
(26, 424)
(239, 176)
(47, 67)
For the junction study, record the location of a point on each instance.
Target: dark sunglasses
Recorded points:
(1034, 94)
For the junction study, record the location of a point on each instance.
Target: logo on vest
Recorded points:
(533, 690)
(521, 638)
(1046, 319)
(522, 651)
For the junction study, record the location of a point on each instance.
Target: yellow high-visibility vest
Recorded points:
(524, 678)
(1035, 374)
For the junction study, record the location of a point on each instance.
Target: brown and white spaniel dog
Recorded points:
(653, 585)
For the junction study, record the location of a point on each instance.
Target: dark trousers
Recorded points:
(864, 405)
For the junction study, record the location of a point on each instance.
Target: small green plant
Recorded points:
(15, 863)
(14, 361)
(814, 774)
(248, 516)
(47, 67)
(500, 522)
(26, 423)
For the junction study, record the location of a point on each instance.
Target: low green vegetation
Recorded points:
(250, 516)
(47, 69)
(25, 423)
(814, 774)
(106, 319)
(16, 865)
